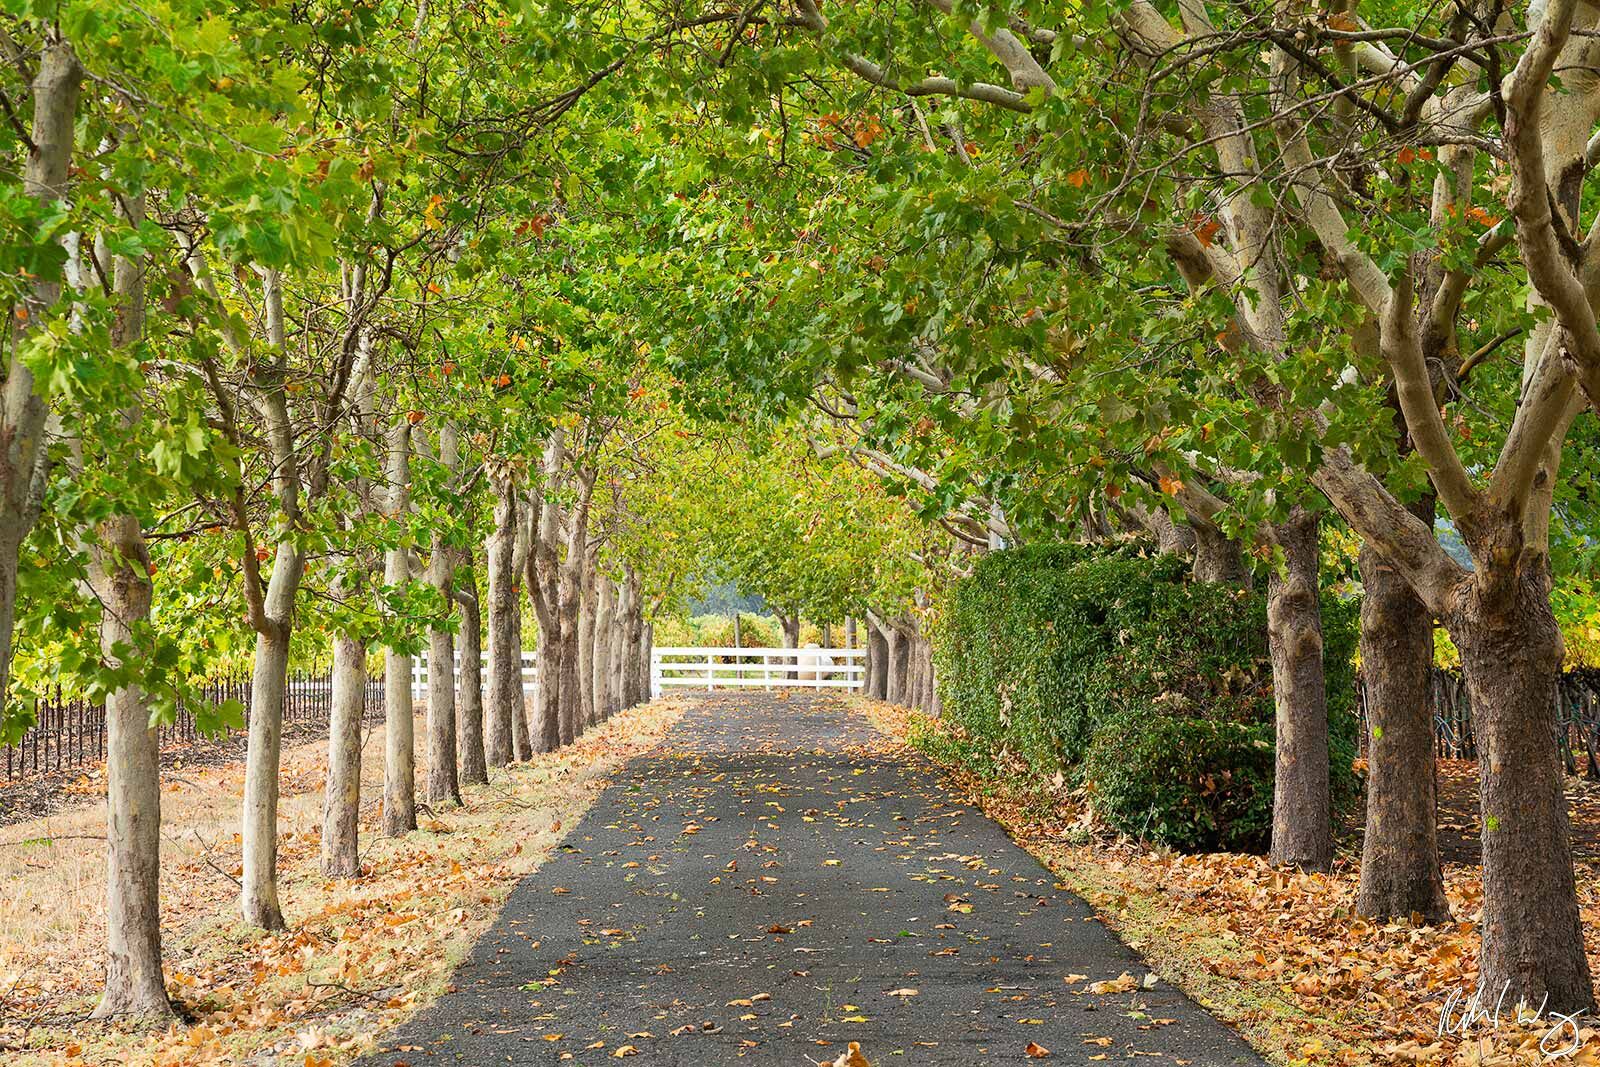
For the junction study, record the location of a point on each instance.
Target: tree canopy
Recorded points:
(313, 305)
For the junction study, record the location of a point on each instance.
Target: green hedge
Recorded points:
(1192, 783)
(1115, 668)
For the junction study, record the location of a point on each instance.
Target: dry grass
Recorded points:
(360, 955)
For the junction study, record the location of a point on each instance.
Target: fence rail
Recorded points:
(71, 732)
(419, 673)
(765, 668)
(1577, 735)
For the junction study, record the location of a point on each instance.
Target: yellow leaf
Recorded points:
(1120, 984)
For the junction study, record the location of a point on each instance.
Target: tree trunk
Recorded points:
(637, 641)
(441, 785)
(269, 683)
(791, 640)
(134, 982)
(570, 706)
(738, 639)
(898, 661)
(544, 581)
(604, 628)
(505, 657)
(1172, 537)
(647, 639)
(629, 639)
(469, 696)
(341, 805)
(1218, 557)
(569, 614)
(922, 692)
(558, 649)
(1400, 869)
(850, 631)
(617, 656)
(547, 717)
(869, 664)
(1511, 651)
(1302, 812)
(877, 681)
(544, 585)
(119, 574)
(24, 459)
(586, 617)
(911, 687)
(399, 714)
(927, 698)
(521, 727)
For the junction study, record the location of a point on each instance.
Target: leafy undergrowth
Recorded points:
(361, 955)
(1281, 956)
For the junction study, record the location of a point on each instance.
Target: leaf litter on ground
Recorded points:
(1281, 956)
(361, 955)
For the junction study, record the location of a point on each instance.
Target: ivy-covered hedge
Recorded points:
(1116, 669)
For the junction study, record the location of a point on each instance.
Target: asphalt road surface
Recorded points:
(773, 883)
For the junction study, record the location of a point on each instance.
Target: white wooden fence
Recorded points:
(710, 669)
(766, 668)
(419, 673)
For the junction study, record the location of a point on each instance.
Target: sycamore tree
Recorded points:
(1323, 236)
(236, 292)
(1346, 227)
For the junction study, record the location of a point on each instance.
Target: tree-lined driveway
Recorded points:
(775, 882)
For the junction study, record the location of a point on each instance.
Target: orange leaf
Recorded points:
(851, 1057)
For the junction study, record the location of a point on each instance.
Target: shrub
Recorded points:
(1115, 668)
(1193, 783)
(1025, 638)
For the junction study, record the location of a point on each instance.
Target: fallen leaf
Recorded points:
(851, 1057)
(1120, 984)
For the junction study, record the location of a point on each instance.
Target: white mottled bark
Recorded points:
(399, 716)
(441, 784)
(341, 802)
